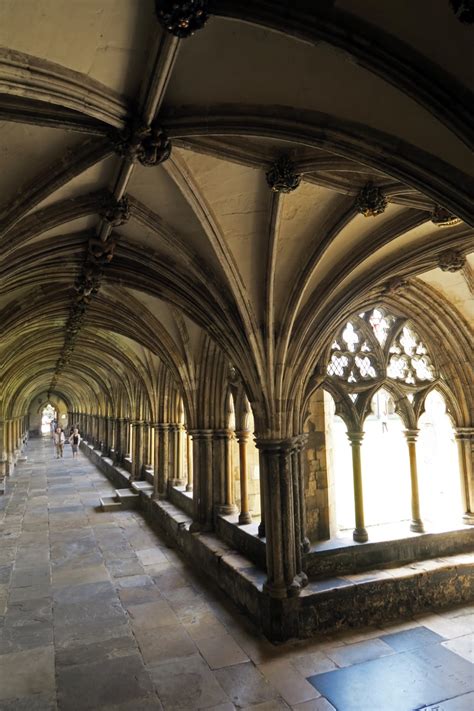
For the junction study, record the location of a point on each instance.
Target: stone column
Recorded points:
(156, 460)
(137, 455)
(176, 477)
(127, 437)
(162, 442)
(305, 543)
(98, 432)
(146, 444)
(113, 437)
(222, 474)
(203, 481)
(245, 516)
(261, 525)
(465, 441)
(285, 576)
(416, 523)
(3, 455)
(189, 455)
(360, 533)
(10, 447)
(118, 422)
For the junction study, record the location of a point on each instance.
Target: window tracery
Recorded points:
(375, 346)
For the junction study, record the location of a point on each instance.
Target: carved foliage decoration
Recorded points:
(99, 254)
(148, 145)
(376, 346)
(116, 212)
(282, 176)
(451, 261)
(183, 18)
(464, 10)
(371, 201)
(441, 217)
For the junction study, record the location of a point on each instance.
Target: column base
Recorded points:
(189, 487)
(226, 509)
(197, 527)
(305, 545)
(302, 579)
(261, 530)
(279, 592)
(176, 482)
(360, 535)
(245, 517)
(417, 526)
(468, 518)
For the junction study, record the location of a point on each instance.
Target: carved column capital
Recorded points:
(355, 438)
(201, 434)
(464, 433)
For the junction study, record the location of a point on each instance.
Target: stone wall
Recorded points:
(319, 489)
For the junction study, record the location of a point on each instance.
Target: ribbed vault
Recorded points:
(207, 250)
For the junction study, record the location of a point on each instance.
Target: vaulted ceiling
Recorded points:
(352, 91)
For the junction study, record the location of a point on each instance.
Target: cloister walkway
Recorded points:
(98, 612)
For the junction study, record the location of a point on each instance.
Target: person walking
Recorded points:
(59, 439)
(74, 441)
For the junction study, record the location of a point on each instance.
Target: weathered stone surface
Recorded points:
(187, 684)
(105, 682)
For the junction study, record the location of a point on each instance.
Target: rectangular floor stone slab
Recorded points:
(347, 655)
(27, 673)
(89, 687)
(221, 651)
(245, 685)
(399, 682)
(187, 685)
(411, 639)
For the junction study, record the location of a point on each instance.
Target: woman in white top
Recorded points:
(59, 439)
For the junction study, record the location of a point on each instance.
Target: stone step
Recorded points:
(109, 503)
(128, 498)
(142, 486)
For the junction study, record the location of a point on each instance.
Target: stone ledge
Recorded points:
(356, 557)
(333, 603)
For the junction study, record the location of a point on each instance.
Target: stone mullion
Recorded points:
(360, 533)
(416, 523)
(245, 517)
(465, 440)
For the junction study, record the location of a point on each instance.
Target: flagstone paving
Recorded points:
(97, 611)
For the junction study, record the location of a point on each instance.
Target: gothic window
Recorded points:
(375, 346)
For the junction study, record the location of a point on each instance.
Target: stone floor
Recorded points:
(98, 612)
